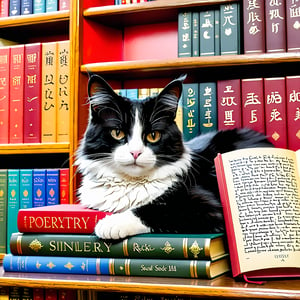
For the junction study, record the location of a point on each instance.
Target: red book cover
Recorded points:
(254, 26)
(38, 294)
(64, 186)
(32, 93)
(4, 8)
(64, 294)
(253, 114)
(61, 218)
(275, 26)
(293, 25)
(51, 294)
(275, 110)
(293, 111)
(16, 94)
(229, 104)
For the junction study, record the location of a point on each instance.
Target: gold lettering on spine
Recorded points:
(125, 247)
(19, 245)
(127, 266)
(207, 247)
(185, 247)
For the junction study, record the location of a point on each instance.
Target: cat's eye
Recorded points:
(153, 136)
(117, 134)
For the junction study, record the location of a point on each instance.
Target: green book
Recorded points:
(185, 34)
(154, 246)
(195, 33)
(207, 33)
(217, 32)
(3, 210)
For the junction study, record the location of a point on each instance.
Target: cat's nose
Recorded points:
(136, 154)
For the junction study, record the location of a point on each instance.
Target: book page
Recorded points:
(263, 187)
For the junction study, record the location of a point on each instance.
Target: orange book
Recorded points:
(63, 92)
(49, 91)
(16, 94)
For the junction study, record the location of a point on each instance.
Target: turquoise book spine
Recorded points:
(3, 210)
(39, 6)
(25, 188)
(51, 5)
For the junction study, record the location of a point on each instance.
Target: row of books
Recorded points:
(268, 105)
(27, 188)
(11, 8)
(35, 93)
(70, 247)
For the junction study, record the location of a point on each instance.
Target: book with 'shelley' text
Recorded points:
(260, 194)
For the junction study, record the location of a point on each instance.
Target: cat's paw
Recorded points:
(120, 225)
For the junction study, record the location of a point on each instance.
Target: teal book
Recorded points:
(185, 34)
(39, 6)
(195, 33)
(13, 202)
(51, 5)
(132, 93)
(204, 269)
(208, 116)
(3, 210)
(230, 29)
(39, 187)
(52, 187)
(190, 110)
(217, 32)
(207, 33)
(26, 180)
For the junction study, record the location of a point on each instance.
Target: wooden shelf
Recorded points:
(223, 287)
(34, 148)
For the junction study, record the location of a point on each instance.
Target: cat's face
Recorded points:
(132, 138)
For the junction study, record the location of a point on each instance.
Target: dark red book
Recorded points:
(4, 94)
(275, 26)
(32, 93)
(229, 104)
(293, 111)
(253, 114)
(61, 218)
(16, 94)
(64, 186)
(293, 25)
(254, 26)
(275, 110)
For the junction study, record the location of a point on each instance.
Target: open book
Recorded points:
(260, 194)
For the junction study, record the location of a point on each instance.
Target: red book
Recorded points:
(293, 111)
(229, 104)
(64, 294)
(275, 26)
(275, 110)
(64, 186)
(254, 26)
(16, 94)
(32, 93)
(61, 218)
(253, 114)
(4, 8)
(4, 94)
(38, 294)
(51, 294)
(293, 25)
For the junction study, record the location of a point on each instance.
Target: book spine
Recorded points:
(39, 187)
(52, 186)
(190, 109)
(154, 246)
(108, 266)
(253, 114)
(217, 32)
(293, 111)
(185, 34)
(254, 26)
(26, 7)
(293, 25)
(275, 111)
(207, 33)
(195, 33)
(229, 104)
(39, 6)
(51, 5)
(4, 8)
(275, 26)
(64, 5)
(208, 115)
(64, 186)
(3, 210)
(4, 94)
(49, 89)
(32, 93)
(26, 184)
(14, 7)
(16, 94)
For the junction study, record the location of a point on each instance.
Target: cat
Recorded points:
(135, 164)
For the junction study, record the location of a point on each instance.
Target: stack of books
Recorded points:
(60, 239)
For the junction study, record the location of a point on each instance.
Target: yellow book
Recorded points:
(63, 92)
(49, 92)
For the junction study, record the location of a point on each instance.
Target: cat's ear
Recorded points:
(174, 87)
(98, 85)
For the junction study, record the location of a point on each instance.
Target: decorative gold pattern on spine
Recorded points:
(193, 269)
(125, 247)
(127, 266)
(207, 247)
(185, 247)
(207, 268)
(112, 266)
(98, 266)
(19, 245)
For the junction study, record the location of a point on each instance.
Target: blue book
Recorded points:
(26, 7)
(26, 188)
(51, 5)
(13, 202)
(132, 94)
(14, 7)
(39, 187)
(39, 6)
(52, 186)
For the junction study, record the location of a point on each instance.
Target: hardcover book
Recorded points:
(3, 210)
(217, 32)
(207, 33)
(260, 193)
(52, 186)
(14, 7)
(4, 8)
(62, 218)
(195, 33)
(26, 7)
(39, 187)
(51, 5)
(64, 186)
(293, 25)
(185, 34)
(26, 187)
(39, 6)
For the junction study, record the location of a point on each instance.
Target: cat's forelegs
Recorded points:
(120, 225)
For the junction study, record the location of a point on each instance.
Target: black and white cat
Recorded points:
(135, 164)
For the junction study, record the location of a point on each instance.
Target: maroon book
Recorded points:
(254, 26)
(275, 110)
(229, 104)
(32, 93)
(293, 25)
(275, 26)
(253, 114)
(293, 111)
